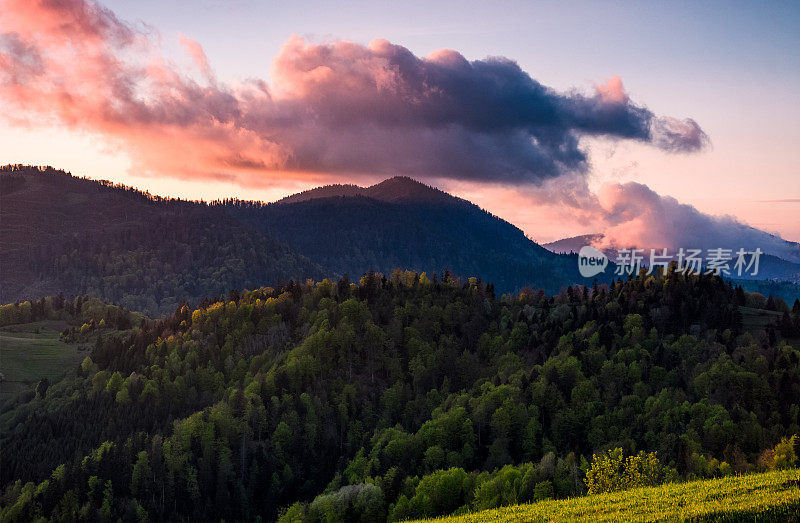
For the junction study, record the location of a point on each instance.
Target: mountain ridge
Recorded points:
(403, 223)
(771, 266)
(394, 189)
(62, 233)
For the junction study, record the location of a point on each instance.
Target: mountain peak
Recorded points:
(395, 189)
(403, 188)
(401, 181)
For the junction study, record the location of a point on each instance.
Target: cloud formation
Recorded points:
(638, 216)
(336, 107)
(632, 215)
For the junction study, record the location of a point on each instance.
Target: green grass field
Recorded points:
(754, 320)
(32, 351)
(770, 496)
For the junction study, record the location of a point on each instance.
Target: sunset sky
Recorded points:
(561, 117)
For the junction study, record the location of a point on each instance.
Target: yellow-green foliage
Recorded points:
(610, 472)
(783, 456)
(773, 495)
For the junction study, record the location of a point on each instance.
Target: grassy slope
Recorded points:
(754, 320)
(771, 496)
(32, 351)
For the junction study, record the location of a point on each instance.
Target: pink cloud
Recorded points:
(612, 92)
(71, 72)
(333, 108)
(195, 50)
(633, 215)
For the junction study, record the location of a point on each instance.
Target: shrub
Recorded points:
(439, 493)
(610, 471)
(362, 502)
(782, 456)
(642, 470)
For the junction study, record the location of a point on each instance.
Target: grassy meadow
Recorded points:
(769, 496)
(32, 351)
(754, 320)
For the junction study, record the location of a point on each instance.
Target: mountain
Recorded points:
(771, 265)
(572, 244)
(775, 275)
(407, 190)
(402, 223)
(60, 233)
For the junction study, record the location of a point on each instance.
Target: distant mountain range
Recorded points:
(771, 266)
(60, 233)
(775, 275)
(573, 243)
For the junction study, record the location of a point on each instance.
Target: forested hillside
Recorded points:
(59, 233)
(403, 223)
(397, 397)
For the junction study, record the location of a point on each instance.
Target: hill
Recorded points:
(572, 244)
(32, 352)
(771, 496)
(404, 223)
(60, 233)
(40, 352)
(394, 398)
(325, 191)
(405, 189)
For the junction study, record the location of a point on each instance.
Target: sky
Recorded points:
(624, 118)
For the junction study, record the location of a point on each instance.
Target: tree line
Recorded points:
(400, 396)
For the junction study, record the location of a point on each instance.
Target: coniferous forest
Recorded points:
(394, 397)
